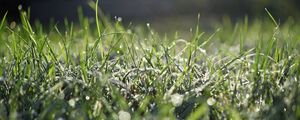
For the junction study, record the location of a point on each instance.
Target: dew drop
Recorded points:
(87, 97)
(13, 25)
(119, 19)
(20, 7)
(72, 102)
(177, 99)
(211, 101)
(123, 115)
(257, 109)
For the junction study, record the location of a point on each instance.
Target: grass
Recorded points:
(243, 70)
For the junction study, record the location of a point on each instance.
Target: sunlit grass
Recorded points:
(246, 70)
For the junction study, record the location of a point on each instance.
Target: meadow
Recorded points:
(103, 70)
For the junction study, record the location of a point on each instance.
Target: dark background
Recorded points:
(161, 11)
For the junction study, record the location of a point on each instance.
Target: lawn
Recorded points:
(103, 70)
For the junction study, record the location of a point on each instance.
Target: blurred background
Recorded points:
(172, 14)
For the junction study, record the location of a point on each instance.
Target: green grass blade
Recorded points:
(3, 21)
(97, 18)
(271, 16)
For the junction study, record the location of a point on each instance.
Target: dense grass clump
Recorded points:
(240, 71)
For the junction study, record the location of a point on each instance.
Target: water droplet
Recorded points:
(211, 101)
(123, 115)
(12, 25)
(177, 99)
(247, 96)
(202, 51)
(69, 78)
(129, 31)
(72, 102)
(87, 97)
(257, 109)
(60, 118)
(20, 7)
(119, 19)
